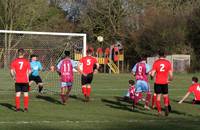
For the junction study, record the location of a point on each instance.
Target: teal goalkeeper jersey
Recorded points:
(36, 66)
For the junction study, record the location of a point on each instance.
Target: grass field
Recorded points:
(104, 112)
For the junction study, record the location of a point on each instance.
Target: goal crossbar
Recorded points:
(51, 33)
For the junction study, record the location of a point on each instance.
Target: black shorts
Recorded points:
(21, 87)
(161, 88)
(86, 79)
(196, 101)
(36, 79)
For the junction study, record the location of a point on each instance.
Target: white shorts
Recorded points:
(66, 84)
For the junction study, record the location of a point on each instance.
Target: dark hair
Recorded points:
(195, 79)
(132, 82)
(67, 53)
(33, 55)
(143, 57)
(21, 51)
(161, 53)
(89, 51)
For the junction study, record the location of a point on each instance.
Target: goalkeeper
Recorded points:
(36, 66)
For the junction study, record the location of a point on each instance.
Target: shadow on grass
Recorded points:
(9, 106)
(49, 99)
(76, 98)
(119, 105)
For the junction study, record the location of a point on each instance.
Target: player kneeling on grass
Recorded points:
(36, 66)
(20, 69)
(131, 92)
(65, 70)
(195, 89)
(88, 62)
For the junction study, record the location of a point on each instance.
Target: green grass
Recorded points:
(104, 112)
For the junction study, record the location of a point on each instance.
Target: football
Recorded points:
(100, 39)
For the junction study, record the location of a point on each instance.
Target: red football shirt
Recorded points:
(195, 89)
(21, 66)
(162, 68)
(88, 64)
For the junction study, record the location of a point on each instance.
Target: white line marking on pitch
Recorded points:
(85, 121)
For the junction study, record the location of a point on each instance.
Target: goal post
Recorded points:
(49, 46)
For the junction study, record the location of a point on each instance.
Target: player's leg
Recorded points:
(69, 87)
(26, 97)
(146, 89)
(31, 81)
(84, 83)
(89, 79)
(153, 100)
(62, 92)
(166, 98)
(138, 92)
(158, 91)
(88, 92)
(17, 96)
(39, 83)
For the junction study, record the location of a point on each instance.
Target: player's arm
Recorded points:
(97, 68)
(58, 68)
(186, 95)
(133, 71)
(12, 74)
(79, 69)
(170, 75)
(40, 66)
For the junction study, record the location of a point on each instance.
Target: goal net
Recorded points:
(180, 63)
(49, 47)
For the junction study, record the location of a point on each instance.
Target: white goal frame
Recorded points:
(52, 33)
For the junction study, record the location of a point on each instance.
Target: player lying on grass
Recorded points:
(20, 70)
(195, 89)
(141, 71)
(65, 70)
(36, 66)
(88, 63)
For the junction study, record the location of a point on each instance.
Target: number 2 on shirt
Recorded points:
(21, 65)
(162, 67)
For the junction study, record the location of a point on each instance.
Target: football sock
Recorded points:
(26, 98)
(29, 88)
(17, 102)
(62, 97)
(148, 98)
(84, 91)
(88, 91)
(140, 95)
(136, 98)
(40, 88)
(166, 100)
(153, 99)
(158, 105)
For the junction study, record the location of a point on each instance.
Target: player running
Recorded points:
(36, 66)
(65, 70)
(20, 70)
(141, 71)
(88, 62)
(164, 74)
(195, 89)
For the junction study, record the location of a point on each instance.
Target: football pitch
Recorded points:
(106, 111)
